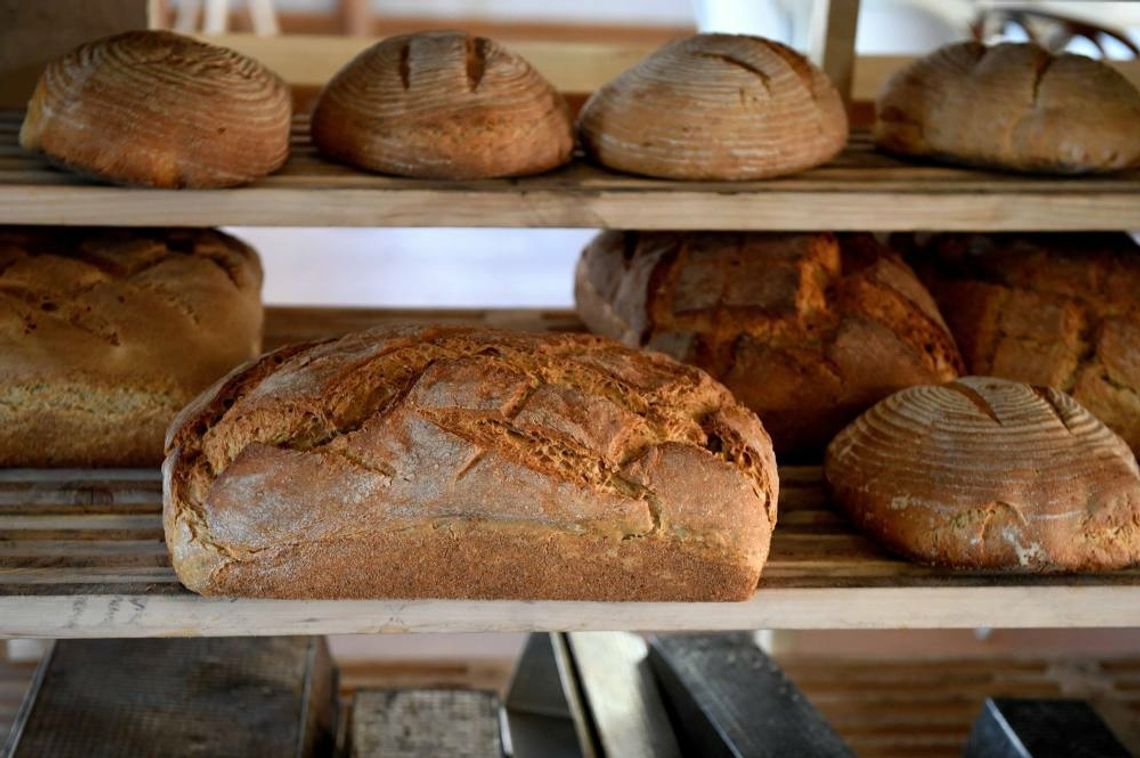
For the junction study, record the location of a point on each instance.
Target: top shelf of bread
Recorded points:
(860, 188)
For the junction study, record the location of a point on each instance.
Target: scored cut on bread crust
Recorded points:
(454, 462)
(444, 105)
(984, 473)
(157, 109)
(807, 330)
(106, 333)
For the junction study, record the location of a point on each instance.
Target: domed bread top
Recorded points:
(443, 105)
(454, 462)
(716, 106)
(1012, 106)
(160, 110)
(1061, 310)
(106, 333)
(990, 474)
(807, 330)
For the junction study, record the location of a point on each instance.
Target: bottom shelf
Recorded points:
(82, 555)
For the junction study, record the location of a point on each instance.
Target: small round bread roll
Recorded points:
(985, 473)
(1012, 106)
(716, 106)
(443, 105)
(158, 109)
(807, 330)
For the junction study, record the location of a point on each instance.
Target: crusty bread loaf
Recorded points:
(1061, 310)
(443, 105)
(716, 106)
(455, 462)
(991, 474)
(106, 333)
(158, 109)
(808, 330)
(1012, 106)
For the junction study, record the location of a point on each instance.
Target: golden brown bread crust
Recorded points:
(455, 462)
(158, 109)
(106, 333)
(443, 105)
(716, 106)
(1012, 106)
(1060, 310)
(807, 330)
(990, 474)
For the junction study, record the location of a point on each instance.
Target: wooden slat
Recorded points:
(860, 189)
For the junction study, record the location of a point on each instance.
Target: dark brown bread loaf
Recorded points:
(106, 333)
(1012, 106)
(990, 474)
(716, 106)
(452, 462)
(443, 105)
(808, 330)
(1060, 310)
(161, 110)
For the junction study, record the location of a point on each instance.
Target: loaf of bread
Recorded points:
(106, 333)
(1012, 106)
(443, 105)
(808, 330)
(158, 109)
(464, 463)
(985, 473)
(1061, 310)
(716, 106)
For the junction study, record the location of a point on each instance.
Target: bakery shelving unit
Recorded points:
(81, 552)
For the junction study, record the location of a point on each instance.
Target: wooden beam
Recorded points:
(831, 41)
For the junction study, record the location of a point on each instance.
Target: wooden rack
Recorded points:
(82, 555)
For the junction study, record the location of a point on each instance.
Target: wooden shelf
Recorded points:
(81, 555)
(861, 189)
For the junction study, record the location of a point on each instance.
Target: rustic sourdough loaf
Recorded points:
(1060, 310)
(453, 462)
(1012, 106)
(443, 105)
(106, 333)
(158, 109)
(716, 106)
(808, 330)
(990, 474)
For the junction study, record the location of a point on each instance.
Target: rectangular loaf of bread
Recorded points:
(460, 463)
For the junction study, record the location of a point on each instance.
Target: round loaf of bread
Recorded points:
(106, 333)
(468, 463)
(158, 109)
(716, 106)
(443, 105)
(808, 330)
(986, 473)
(1060, 310)
(1012, 106)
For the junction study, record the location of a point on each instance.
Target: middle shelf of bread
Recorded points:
(82, 555)
(860, 184)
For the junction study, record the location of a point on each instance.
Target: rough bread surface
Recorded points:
(986, 473)
(1011, 106)
(157, 109)
(807, 330)
(715, 106)
(443, 105)
(464, 463)
(106, 333)
(1061, 310)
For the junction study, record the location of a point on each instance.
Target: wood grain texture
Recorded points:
(160, 110)
(443, 105)
(986, 473)
(87, 559)
(1011, 106)
(716, 107)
